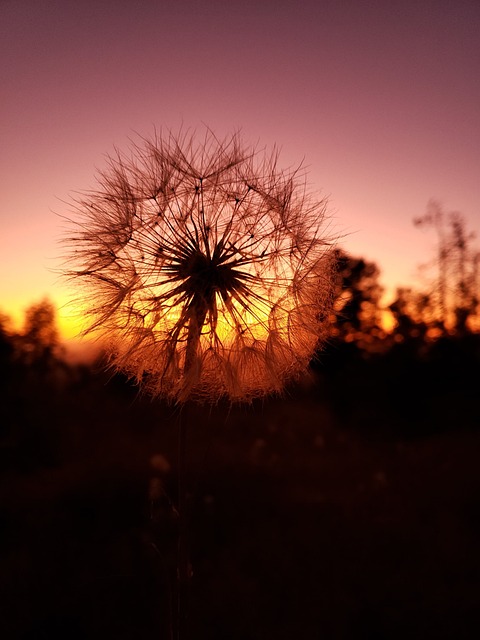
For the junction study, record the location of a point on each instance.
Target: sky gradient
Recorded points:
(380, 100)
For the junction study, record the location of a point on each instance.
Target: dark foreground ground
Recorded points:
(303, 525)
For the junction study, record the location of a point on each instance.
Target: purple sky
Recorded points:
(380, 99)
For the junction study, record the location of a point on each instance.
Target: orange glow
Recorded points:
(359, 151)
(387, 321)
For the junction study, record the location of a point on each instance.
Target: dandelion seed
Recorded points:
(218, 285)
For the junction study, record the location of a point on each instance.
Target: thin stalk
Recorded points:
(183, 552)
(183, 555)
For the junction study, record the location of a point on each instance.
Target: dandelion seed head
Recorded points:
(206, 267)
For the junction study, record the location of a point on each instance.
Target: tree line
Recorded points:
(446, 307)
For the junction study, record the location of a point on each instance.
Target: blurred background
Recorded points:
(348, 508)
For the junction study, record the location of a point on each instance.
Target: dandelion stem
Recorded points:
(197, 319)
(183, 559)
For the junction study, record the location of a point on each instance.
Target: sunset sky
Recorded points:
(379, 99)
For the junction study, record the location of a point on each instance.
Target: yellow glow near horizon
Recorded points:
(71, 321)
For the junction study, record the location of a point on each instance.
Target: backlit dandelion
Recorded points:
(206, 267)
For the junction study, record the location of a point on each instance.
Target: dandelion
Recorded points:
(208, 271)
(205, 266)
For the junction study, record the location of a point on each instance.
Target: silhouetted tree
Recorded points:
(40, 333)
(6, 347)
(465, 272)
(413, 314)
(454, 293)
(358, 306)
(6, 354)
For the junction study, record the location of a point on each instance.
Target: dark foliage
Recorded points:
(348, 509)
